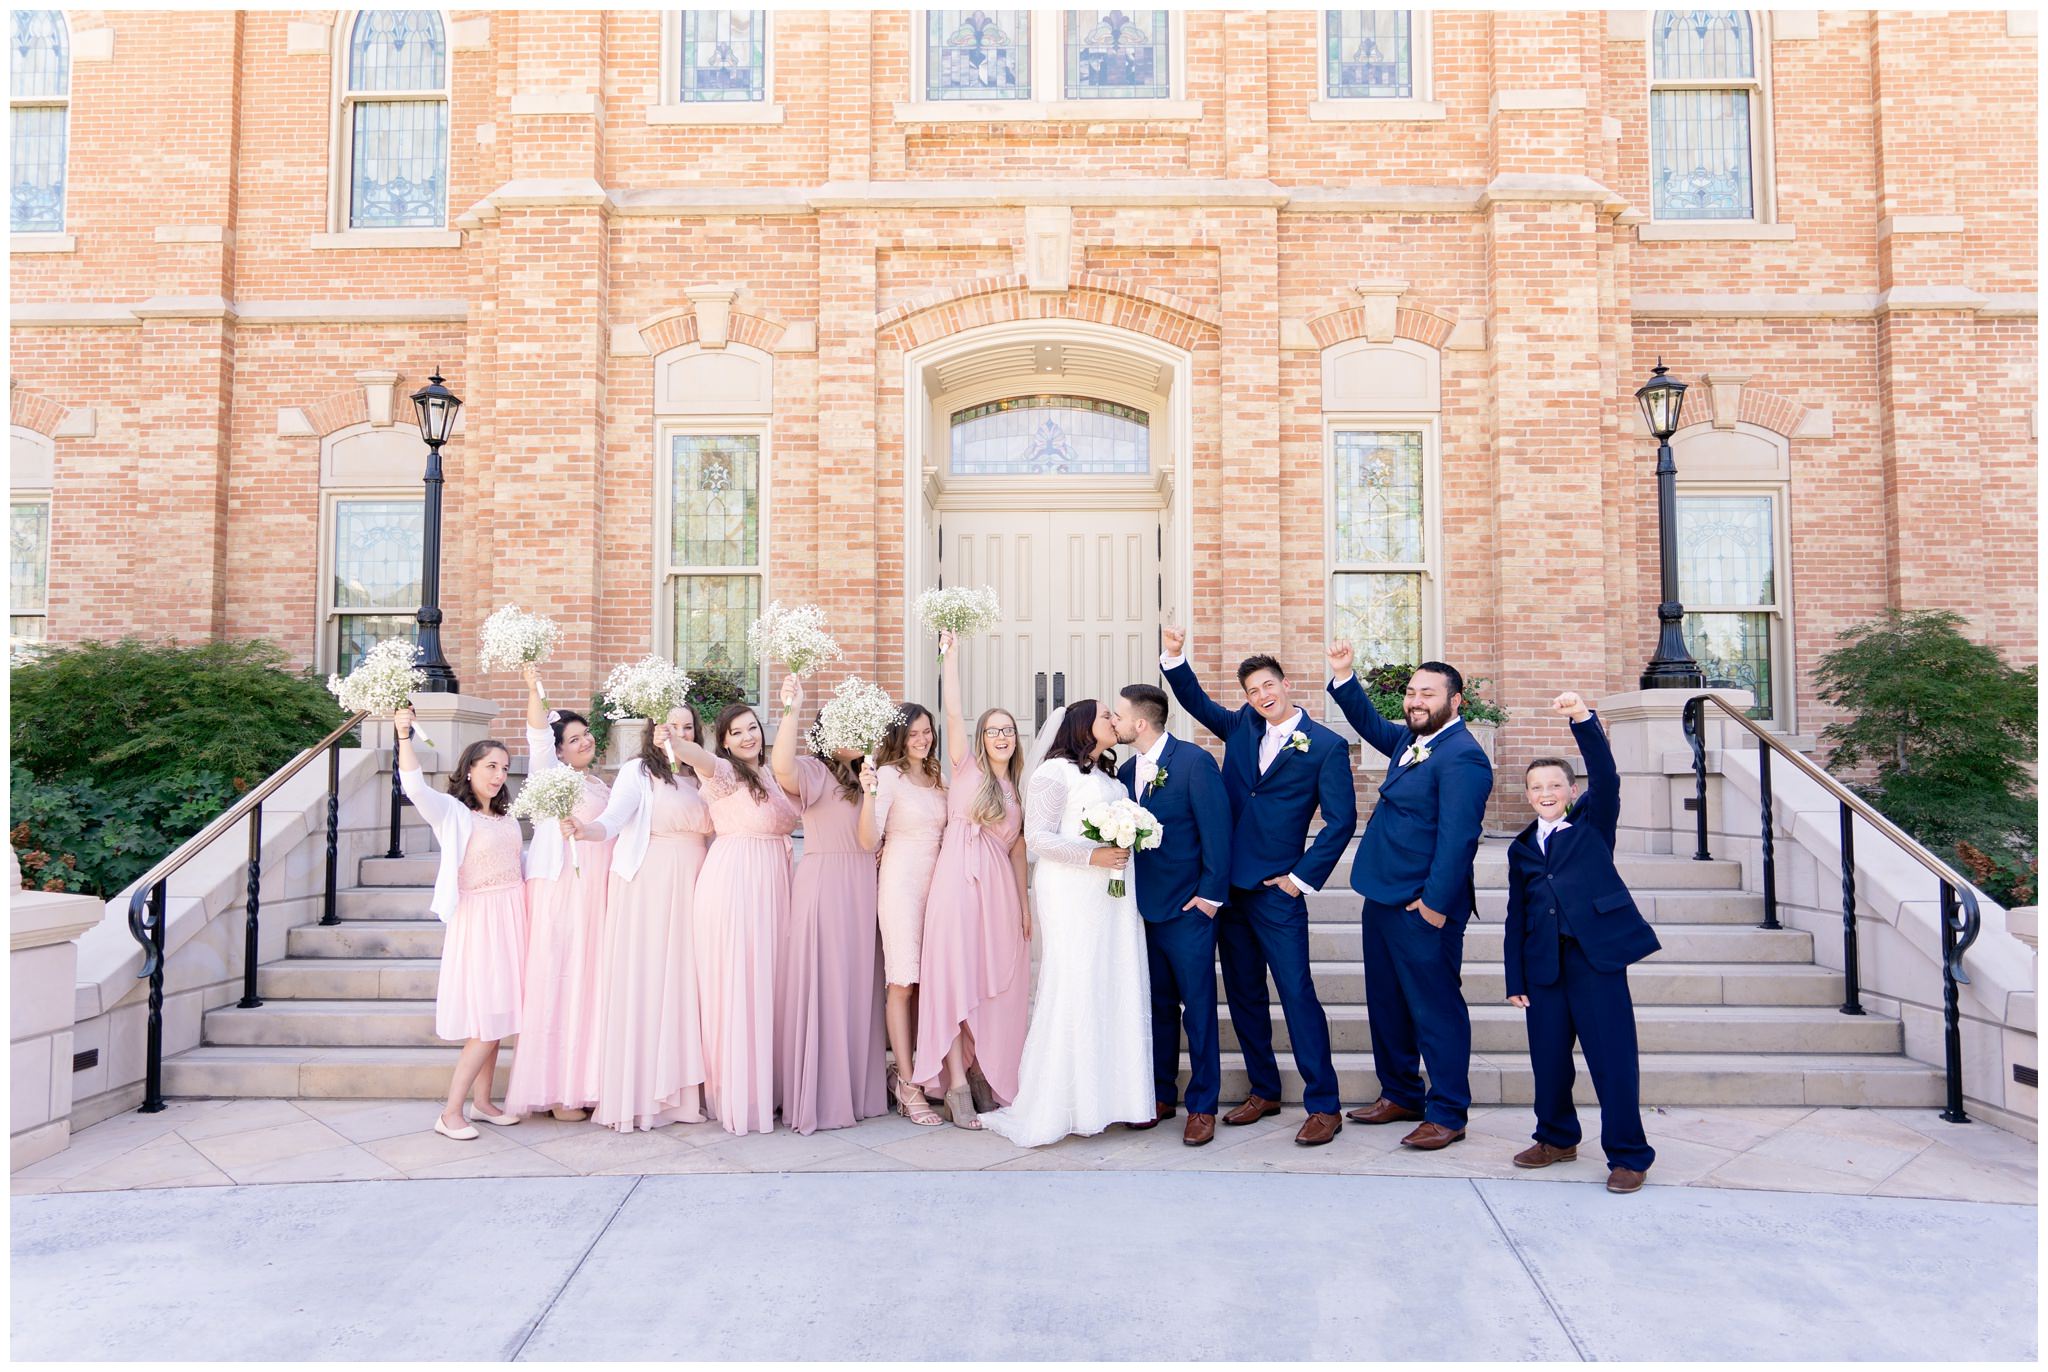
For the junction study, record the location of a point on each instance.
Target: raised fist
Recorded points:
(1174, 639)
(1572, 706)
(1340, 659)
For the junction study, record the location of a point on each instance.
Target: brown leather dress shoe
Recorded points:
(1161, 1111)
(1319, 1129)
(1430, 1136)
(1542, 1155)
(1200, 1129)
(1624, 1180)
(1254, 1108)
(1383, 1111)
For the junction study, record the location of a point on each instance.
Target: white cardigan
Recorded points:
(629, 817)
(452, 823)
(544, 850)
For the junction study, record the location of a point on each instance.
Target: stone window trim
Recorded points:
(669, 575)
(671, 108)
(1046, 102)
(1762, 223)
(327, 652)
(51, 240)
(1419, 107)
(340, 235)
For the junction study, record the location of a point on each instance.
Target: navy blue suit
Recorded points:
(1572, 931)
(1419, 844)
(1261, 927)
(1192, 859)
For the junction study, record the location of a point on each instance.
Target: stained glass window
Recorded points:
(39, 120)
(379, 548)
(1051, 435)
(28, 568)
(715, 504)
(1118, 55)
(1380, 553)
(1380, 613)
(1727, 580)
(398, 161)
(725, 55)
(1369, 54)
(1703, 107)
(977, 55)
(712, 615)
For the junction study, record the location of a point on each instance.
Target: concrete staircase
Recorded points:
(1729, 1014)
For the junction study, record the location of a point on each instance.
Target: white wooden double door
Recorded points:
(1081, 598)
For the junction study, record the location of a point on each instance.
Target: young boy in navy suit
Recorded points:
(1572, 931)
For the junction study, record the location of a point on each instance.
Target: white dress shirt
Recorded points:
(1268, 749)
(1148, 765)
(1545, 828)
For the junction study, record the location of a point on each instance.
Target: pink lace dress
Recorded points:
(483, 952)
(558, 1048)
(912, 821)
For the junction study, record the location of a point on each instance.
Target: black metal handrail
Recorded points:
(1960, 920)
(149, 902)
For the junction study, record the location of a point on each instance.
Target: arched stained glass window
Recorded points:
(1704, 45)
(1051, 435)
(39, 120)
(1705, 112)
(396, 113)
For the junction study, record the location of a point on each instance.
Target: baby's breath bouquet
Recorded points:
(965, 610)
(512, 638)
(647, 689)
(553, 793)
(856, 718)
(794, 636)
(383, 682)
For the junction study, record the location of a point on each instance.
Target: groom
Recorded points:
(1181, 885)
(1279, 767)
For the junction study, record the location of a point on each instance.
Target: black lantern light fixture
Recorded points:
(1672, 666)
(436, 406)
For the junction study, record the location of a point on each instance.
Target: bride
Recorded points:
(1088, 1054)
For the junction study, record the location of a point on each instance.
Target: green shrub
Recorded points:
(1387, 684)
(714, 688)
(1947, 726)
(122, 751)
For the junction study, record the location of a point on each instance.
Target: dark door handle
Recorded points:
(1039, 692)
(1059, 690)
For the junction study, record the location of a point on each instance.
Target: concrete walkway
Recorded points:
(1014, 1265)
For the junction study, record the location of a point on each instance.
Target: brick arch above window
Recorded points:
(37, 413)
(1092, 297)
(1416, 323)
(684, 324)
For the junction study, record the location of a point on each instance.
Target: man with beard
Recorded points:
(1414, 869)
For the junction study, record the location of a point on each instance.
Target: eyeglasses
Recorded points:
(1000, 733)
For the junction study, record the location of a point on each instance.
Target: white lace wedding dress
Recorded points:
(1088, 1054)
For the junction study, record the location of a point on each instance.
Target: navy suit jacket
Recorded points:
(1193, 856)
(1424, 831)
(1268, 838)
(1572, 885)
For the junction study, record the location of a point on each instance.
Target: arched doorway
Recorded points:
(1045, 457)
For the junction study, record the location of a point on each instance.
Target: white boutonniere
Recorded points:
(1158, 780)
(1298, 741)
(1417, 753)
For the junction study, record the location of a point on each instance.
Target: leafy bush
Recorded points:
(714, 688)
(1387, 684)
(121, 751)
(1947, 726)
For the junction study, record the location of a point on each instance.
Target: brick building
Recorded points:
(1282, 323)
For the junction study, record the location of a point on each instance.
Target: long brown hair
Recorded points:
(655, 760)
(894, 750)
(1075, 739)
(458, 784)
(847, 774)
(989, 806)
(749, 773)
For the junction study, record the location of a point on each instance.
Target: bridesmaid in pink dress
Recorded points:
(556, 1065)
(742, 905)
(903, 809)
(828, 979)
(650, 1069)
(481, 898)
(974, 998)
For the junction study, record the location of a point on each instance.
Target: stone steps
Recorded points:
(1496, 1078)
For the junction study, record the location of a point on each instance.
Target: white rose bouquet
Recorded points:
(1121, 824)
(794, 636)
(856, 717)
(383, 682)
(965, 610)
(553, 793)
(512, 638)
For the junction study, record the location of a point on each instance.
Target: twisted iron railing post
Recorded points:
(1852, 999)
(328, 914)
(1958, 931)
(396, 850)
(1693, 718)
(146, 910)
(251, 928)
(1763, 800)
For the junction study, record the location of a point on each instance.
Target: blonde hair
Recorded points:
(989, 806)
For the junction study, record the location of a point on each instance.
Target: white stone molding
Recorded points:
(1737, 452)
(82, 421)
(627, 342)
(1929, 298)
(1376, 111)
(732, 380)
(185, 307)
(1209, 192)
(378, 388)
(25, 243)
(1046, 111)
(353, 312)
(714, 313)
(1379, 199)
(1816, 423)
(303, 38)
(372, 456)
(1510, 101)
(2022, 23)
(470, 35)
(1726, 389)
(2011, 305)
(539, 192)
(1795, 26)
(31, 459)
(1714, 231)
(486, 135)
(1048, 247)
(1296, 336)
(545, 103)
(57, 314)
(799, 337)
(1610, 128)
(195, 233)
(92, 45)
(1537, 186)
(384, 240)
(1467, 335)
(710, 202)
(1382, 299)
(1903, 224)
(292, 423)
(717, 113)
(1401, 376)
(1628, 26)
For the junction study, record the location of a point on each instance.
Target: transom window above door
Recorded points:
(1051, 435)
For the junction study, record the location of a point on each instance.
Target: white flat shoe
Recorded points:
(463, 1135)
(467, 1113)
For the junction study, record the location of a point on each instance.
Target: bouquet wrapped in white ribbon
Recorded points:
(512, 638)
(647, 689)
(856, 718)
(1121, 824)
(965, 610)
(553, 793)
(383, 682)
(795, 636)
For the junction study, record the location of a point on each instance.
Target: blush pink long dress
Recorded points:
(975, 969)
(742, 905)
(828, 977)
(557, 1062)
(483, 953)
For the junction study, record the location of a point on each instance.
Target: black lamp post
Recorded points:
(436, 405)
(1672, 666)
